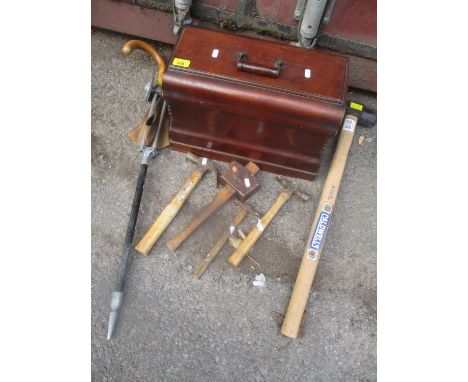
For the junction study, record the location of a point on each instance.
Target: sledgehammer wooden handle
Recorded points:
(313, 249)
(168, 214)
(247, 244)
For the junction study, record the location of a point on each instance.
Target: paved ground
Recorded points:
(221, 328)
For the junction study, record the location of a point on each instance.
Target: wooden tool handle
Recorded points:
(313, 249)
(202, 265)
(168, 214)
(240, 252)
(138, 44)
(222, 197)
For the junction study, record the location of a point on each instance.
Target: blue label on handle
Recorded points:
(319, 235)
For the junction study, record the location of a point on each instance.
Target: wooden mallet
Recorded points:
(247, 244)
(238, 180)
(171, 210)
(313, 249)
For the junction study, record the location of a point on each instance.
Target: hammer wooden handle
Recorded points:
(222, 197)
(246, 245)
(313, 249)
(138, 44)
(168, 214)
(202, 265)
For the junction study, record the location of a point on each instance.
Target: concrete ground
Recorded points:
(221, 328)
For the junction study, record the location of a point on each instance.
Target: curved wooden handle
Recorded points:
(305, 277)
(162, 222)
(240, 252)
(131, 45)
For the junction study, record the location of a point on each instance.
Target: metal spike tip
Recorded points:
(116, 302)
(111, 327)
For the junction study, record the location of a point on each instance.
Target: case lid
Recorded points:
(310, 73)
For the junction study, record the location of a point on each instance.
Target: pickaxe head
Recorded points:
(292, 187)
(203, 164)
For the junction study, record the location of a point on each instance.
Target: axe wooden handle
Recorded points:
(313, 249)
(222, 197)
(246, 245)
(168, 214)
(202, 265)
(138, 44)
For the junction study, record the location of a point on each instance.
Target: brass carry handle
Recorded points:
(258, 69)
(138, 44)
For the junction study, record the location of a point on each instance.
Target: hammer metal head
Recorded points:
(248, 207)
(292, 187)
(203, 164)
(241, 179)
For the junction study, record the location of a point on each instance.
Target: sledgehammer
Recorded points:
(314, 246)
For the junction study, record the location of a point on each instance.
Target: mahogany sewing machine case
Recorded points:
(234, 97)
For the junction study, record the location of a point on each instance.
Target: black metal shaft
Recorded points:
(128, 246)
(117, 295)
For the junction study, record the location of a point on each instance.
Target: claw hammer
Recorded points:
(168, 214)
(247, 244)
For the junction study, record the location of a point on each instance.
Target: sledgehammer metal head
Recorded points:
(366, 118)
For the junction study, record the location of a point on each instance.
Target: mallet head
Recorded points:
(240, 179)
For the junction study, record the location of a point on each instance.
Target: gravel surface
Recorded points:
(221, 328)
